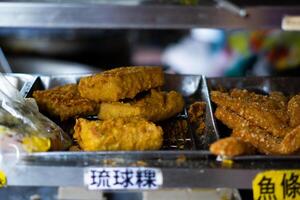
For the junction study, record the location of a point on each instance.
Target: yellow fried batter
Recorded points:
(65, 102)
(118, 134)
(120, 83)
(231, 146)
(156, 106)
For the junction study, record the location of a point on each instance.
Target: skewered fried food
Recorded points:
(65, 102)
(231, 146)
(118, 134)
(120, 83)
(293, 111)
(253, 111)
(156, 106)
(196, 116)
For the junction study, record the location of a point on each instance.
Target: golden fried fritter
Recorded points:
(293, 111)
(65, 102)
(120, 83)
(118, 134)
(156, 106)
(252, 111)
(231, 146)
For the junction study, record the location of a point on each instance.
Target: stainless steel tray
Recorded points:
(191, 167)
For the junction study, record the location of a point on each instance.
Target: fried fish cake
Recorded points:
(118, 134)
(120, 83)
(65, 102)
(155, 106)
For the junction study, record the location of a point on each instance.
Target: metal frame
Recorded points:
(92, 15)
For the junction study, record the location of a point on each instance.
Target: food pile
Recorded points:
(269, 124)
(127, 102)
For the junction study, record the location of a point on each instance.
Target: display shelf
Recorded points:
(183, 169)
(140, 14)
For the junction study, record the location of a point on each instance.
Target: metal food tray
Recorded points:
(190, 167)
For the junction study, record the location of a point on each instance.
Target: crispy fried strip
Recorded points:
(275, 103)
(156, 106)
(251, 111)
(230, 119)
(242, 129)
(120, 83)
(231, 146)
(260, 139)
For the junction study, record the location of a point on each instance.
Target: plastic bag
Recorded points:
(23, 127)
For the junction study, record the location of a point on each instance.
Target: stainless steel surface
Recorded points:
(45, 14)
(181, 168)
(227, 5)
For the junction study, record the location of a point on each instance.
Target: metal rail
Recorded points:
(91, 15)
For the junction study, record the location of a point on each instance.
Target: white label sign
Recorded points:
(124, 178)
(291, 23)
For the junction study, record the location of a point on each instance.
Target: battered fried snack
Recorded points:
(252, 111)
(291, 142)
(196, 115)
(118, 134)
(120, 83)
(293, 111)
(65, 102)
(275, 103)
(230, 119)
(231, 147)
(155, 106)
(260, 139)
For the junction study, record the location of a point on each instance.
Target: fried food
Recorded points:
(260, 139)
(65, 102)
(155, 106)
(276, 102)
(230, 119)
(196, 115)
(293, 111)
(231, 147)
(120, 83)
(118, 134)
(291, 142)
(253, 111)
(242, 129)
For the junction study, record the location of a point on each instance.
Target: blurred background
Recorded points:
(210, 52)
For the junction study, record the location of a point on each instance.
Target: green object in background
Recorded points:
(189, 2)
(239, 42)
